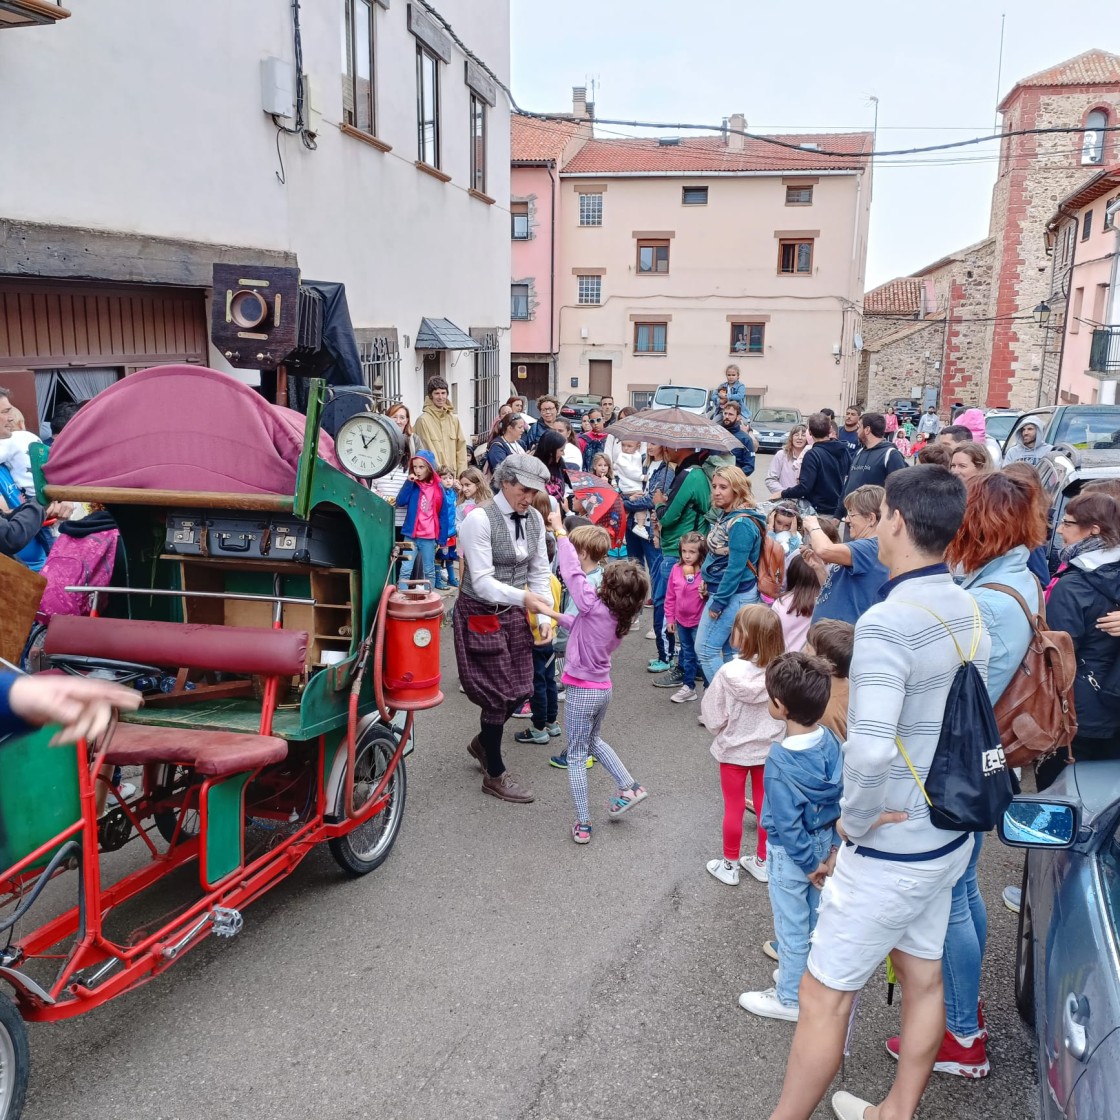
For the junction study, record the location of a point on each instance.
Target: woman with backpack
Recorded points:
(1002, 524)
(1087, 589)
(730, 569)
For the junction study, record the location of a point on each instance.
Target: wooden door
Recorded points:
(531, 383)
(599, 375)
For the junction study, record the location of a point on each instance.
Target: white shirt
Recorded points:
(475, 548)
(14, 455)
(573, 457)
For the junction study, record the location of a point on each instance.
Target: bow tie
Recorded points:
(518, 520)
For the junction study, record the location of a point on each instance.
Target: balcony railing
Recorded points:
(28, 13)
(1104, 355)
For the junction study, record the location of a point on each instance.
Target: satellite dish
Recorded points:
(857, 341)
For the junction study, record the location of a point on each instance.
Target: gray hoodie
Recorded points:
(1019, 452)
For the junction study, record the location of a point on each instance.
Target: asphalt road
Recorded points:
(493, 969)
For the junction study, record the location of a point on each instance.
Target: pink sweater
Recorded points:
(682, 598)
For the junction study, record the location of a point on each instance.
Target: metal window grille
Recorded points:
(381, 368)
(486, 383)
(590, 209)
(590, 289)
(694, 196)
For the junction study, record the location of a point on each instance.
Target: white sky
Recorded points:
(811, 66)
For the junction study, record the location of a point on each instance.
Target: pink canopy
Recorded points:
(182, 428)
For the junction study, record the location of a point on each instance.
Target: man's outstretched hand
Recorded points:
(84, 707)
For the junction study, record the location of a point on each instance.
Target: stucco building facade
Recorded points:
(129, 167)
(676, 257)
(538, 149)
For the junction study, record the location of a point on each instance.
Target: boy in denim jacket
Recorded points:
(803, 782)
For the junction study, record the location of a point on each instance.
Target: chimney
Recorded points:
(737, 123)
(579, 102)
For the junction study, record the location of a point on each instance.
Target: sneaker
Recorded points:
(658, 666)
(560, 761)
(442, 584)
(561, 696)
(954, 1057)
(650, 635)
(683, 694)
(674, 678)
(635, 624)
(553, 729)
(770, 948)
(774, 976)
(452, 579)
(1013, 898)
(755, 867)
(641, 532)
(847, 1107)
(531, 735)
(581, 832)
(625, 801)
(127, 790)
(767, 1005)
(724, 870)
(524, 712)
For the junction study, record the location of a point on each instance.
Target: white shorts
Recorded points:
(871, 906)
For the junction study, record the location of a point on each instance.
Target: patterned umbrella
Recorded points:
(601, 502)
(673, 427)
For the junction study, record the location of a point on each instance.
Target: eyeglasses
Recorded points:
(596, 419)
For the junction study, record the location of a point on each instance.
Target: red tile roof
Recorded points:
(1097, 186)
(710, 153)
(537, 141)
(902, 296)
(1093, 68)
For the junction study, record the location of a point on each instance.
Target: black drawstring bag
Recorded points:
(968, 786)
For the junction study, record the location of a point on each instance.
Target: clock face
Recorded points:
(368, 445)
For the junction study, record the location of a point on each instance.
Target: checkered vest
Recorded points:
(508, 567)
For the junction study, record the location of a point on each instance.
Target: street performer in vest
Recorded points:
(507, 575)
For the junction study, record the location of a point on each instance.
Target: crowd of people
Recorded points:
(896, 565)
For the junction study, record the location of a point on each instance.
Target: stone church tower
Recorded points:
(1035, 173)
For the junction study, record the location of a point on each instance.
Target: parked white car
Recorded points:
(688, 398)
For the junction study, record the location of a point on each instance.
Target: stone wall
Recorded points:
(1036, 172)
(965, 280)
(898, 355)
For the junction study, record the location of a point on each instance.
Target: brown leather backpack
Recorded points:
(1036, 714)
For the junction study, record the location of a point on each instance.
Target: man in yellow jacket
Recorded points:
(438, 429)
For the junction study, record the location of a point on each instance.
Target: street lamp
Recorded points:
(1042, 314)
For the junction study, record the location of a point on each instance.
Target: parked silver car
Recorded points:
(772, 427)
(1067, 967)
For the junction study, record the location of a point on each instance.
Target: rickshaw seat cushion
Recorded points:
(212, 753)
(180, 645)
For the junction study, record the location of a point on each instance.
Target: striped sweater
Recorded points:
(903, 666)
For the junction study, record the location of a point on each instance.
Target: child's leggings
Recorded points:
(584, 712)
(733, 781)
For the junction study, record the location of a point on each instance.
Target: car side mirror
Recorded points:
(1039, 822)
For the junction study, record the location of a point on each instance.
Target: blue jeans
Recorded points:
(794, 901)
(544, 705)
(659, 577)
(713, 636)
(637, 549)
(686, 639)
(426, 550)
(965, 941)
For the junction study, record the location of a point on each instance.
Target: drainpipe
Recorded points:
(1107, 394)
(555, 387)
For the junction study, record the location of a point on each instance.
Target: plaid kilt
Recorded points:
(495, 670)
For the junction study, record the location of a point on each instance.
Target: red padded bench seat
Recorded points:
(180, 645)
(213, 753)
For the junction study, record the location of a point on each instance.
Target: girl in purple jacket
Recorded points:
(603, 620)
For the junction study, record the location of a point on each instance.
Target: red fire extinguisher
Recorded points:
(411, 671)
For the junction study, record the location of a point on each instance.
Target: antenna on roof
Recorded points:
(999, 70)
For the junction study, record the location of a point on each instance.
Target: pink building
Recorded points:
(538, 149)
(1084, 239)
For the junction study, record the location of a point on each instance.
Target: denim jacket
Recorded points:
(659, 478)
(1003, 618)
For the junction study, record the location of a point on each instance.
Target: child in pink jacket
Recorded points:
(736, 709)
(684, 608)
